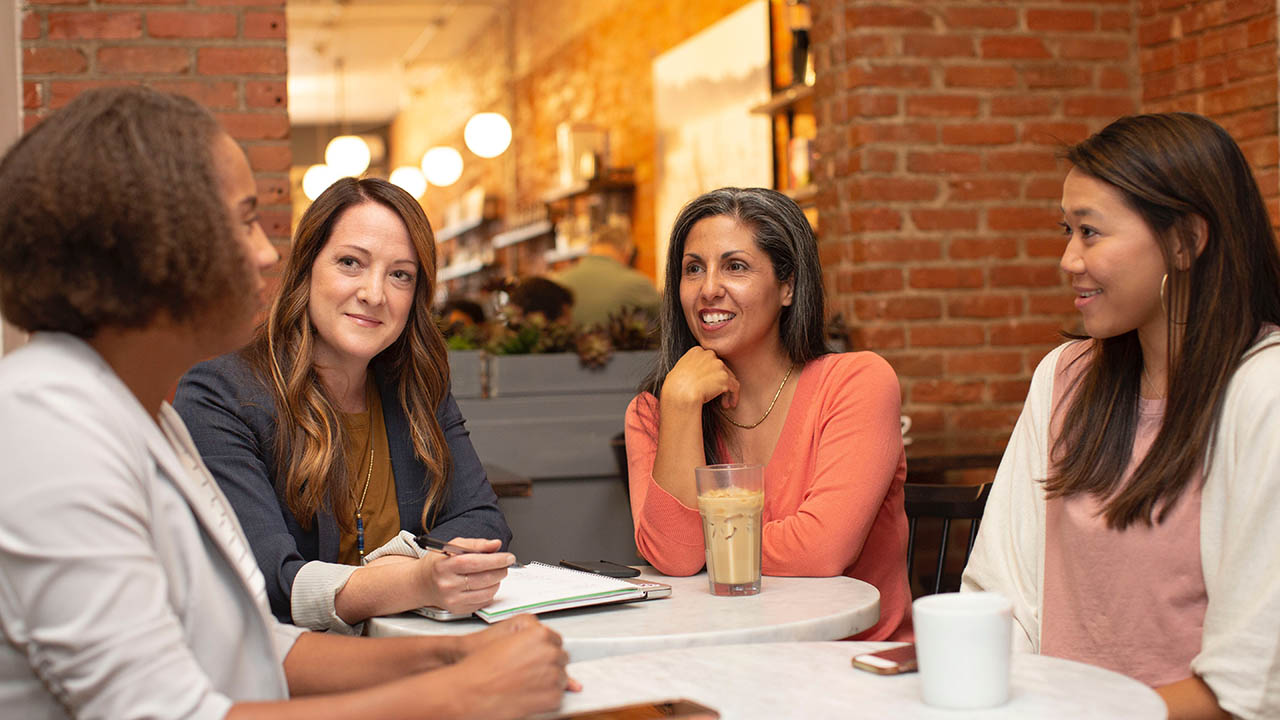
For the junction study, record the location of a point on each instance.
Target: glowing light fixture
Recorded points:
(442, 165)
(317, 179)
(348, 155)
(487, 134)
(410, 179)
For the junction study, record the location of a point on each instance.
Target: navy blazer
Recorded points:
(231, 416)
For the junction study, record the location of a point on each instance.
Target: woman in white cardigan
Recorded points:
(1131, 518)
(131, 249)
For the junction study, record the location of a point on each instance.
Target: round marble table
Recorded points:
(787, 609)
(816, 680)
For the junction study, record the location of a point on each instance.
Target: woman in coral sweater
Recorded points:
(745, 375)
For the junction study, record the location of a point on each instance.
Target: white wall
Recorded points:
(10, 114)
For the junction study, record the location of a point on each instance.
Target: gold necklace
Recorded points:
(771, 404)
(1151, 384)
(360, 506)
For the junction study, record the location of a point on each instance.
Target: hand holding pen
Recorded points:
(426, 542)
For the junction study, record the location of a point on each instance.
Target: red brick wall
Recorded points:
(937, 128)
(1218, 59)
(227, 54)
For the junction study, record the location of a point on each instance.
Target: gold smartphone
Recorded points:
(893, 661)
(673, 709)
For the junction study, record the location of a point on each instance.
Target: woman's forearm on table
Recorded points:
(1191, 699)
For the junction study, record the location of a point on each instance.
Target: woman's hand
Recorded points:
(698, 377)
(464, 583)
(515, 668)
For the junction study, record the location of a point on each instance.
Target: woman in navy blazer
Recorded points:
(335, 428)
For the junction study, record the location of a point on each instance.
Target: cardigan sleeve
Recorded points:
(856, 448)
(668, 533)
(471, 507)
(1008, 555)
(1240, 544)
(232, 433)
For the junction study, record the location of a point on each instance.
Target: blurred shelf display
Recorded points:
(791, 105)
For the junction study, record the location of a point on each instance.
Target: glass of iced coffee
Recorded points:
(731, 500)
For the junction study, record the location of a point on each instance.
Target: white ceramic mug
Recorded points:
(962, 647)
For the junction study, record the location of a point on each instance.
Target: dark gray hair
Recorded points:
(783, 232)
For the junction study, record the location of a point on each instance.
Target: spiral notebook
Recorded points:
(539, 588)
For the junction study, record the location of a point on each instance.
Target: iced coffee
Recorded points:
(731, 530)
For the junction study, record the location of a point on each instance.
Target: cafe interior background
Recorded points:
(919, 137)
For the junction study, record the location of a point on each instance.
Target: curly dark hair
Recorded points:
(110, 217)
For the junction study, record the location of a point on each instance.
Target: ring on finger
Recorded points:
(466, 579)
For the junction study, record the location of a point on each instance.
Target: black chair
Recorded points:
(619, 446)
(945, 502)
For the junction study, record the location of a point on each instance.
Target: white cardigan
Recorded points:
(127, 588)
(1239, 532)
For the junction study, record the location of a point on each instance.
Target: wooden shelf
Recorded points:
(803, 196)
(784, 99)
(522, 233)
(614, 179)
(555, 256)
(450, 232)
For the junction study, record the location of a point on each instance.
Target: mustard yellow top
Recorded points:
(381, 513)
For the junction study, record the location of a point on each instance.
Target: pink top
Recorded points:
(1132, 601)
(833, 488)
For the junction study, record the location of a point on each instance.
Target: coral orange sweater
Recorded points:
(833, 488)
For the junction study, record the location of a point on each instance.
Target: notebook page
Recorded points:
(538, 584)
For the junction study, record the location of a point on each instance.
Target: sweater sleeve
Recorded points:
(668, 534)
(1240, 545)
(857, 449)
(1008, 555)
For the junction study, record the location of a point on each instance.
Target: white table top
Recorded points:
(787, 609)
(816, 680)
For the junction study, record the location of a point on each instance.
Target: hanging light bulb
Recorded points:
(409, 179)
(348, 155)
(442, 165)
(487, 134)
(317, 179)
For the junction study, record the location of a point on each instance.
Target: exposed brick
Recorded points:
(887, 16)
(275, 221)
(944, 162)
(947, 335)
(1099, 105)
(62, 92)
(979, 134)
(1020, 105)
(880, 337)
(1021, 218)
(1020, 161)
(30, 26)
(1045, 246)
(1042, 275)
(864, 45)
(218, 95)
(255, 126)
(1054, 133)
(980, 76)
(889, 76)
(1043, 78)
(980, 17)
(242, 61)
(942, 106)
(1060, 20)
(982, 247)
(972, 189)
(984, 306)
(881, 161)
(870, 280)
(873, 105)
(1044, 188)
(46, 60)
(1110, 78)
(57, 2)
(984, 362)
(264, 25)
(944, 219)
(933, 278)
(1022, 332)
(1058, 303)
(1156, 31)
(938, 46)
(985, 418)
(916, 365)
(95, 25)
(947, 391)
(894, 132)
(266, 94)
(1114, 20)
(898, 307)
(895, 250)
(1093, 49)
(872, 219)
(143, 59)
(191, 24)
(894, 189)
(1009, 390)
(31, 96)
(999, 47)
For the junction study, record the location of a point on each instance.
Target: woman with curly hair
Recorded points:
(333, 433)
(131, 249)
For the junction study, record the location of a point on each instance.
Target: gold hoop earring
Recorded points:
(1164, 281)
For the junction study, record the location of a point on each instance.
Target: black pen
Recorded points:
(426, 542)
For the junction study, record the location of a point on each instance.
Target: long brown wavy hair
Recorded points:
(1171, 168)
(311, 470)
